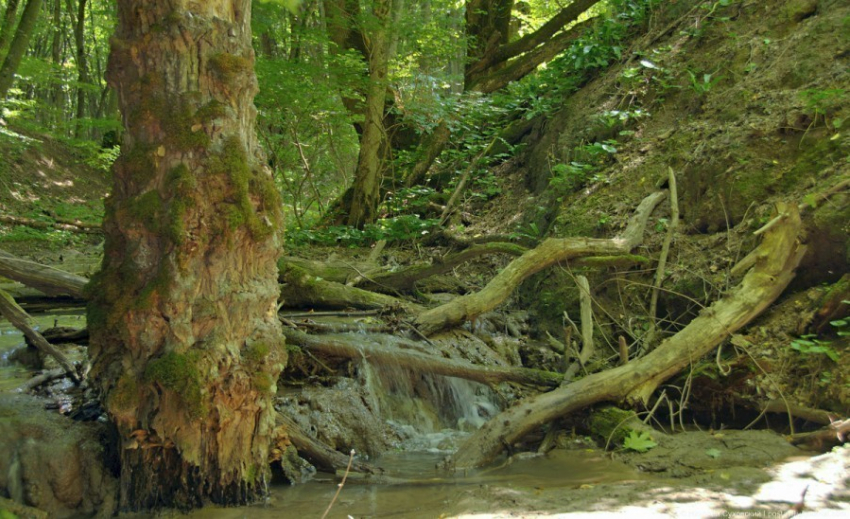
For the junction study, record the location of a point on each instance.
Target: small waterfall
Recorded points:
(425, 408)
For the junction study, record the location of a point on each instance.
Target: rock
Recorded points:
(53, 463)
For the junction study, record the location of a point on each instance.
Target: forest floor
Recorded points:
(748, 109)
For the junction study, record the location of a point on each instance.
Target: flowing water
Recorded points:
(12, 373)
(434, 415)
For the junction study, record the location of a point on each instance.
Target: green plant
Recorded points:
(702, 83)
(809, 344)
(638, 442)
(822, 103)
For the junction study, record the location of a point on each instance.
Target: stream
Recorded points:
(431, 494)
(13, 374)
(412, 421)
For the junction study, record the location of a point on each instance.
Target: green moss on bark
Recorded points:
(229, 67)
(179, 374)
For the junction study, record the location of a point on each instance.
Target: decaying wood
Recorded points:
(550, 252)
(300, 289)
(778, 256)
(41, 378)
(47, 279)
(660, 271)
(330, 269)
(835, 434)
(316, 452)
(405, 278)
(351, 348)
(806, 413)
(19, 318)
(76, 227)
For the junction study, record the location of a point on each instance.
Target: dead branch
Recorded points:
(550, 252)
(19, 318)
(301, 289)
(47, 279)
(586, 330)
(76, 227)
(317, 452)
(779, 254)
(341, 346)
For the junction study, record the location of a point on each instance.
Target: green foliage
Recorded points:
(702, 83)
(809, 344)
(824, 103)
(396, 229)
(638, 442)
(713, 453)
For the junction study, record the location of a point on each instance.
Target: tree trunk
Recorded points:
(19, 46)
(185, 341)
(367, 178)
(9, 17)
(82, 63)
(487, 26)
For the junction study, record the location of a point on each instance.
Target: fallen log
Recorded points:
(316, 452)
(65, 225)
(420, 362)
(550, 252)
(19, 318)
(298, 288)
(49, 280)
(778, 256)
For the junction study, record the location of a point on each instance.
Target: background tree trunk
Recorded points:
(19, 46)
(367, 180)
(185, 341)
(9, 17)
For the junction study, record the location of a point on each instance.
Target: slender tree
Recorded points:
(18, 46)
(367, 178)
(186, 345)
(10, 15)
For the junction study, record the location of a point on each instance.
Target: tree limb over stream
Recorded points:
(340, 347)
(778, 256)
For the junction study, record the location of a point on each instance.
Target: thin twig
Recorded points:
(662, 260)
(341, 484)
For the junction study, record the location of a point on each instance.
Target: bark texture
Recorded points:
(185, 340)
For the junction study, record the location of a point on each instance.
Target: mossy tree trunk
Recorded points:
(185, 342)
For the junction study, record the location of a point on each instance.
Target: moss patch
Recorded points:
(179, 374)
(229, 67)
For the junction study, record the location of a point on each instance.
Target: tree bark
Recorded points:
(779, 254)
(18, 46)
(185, 341)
